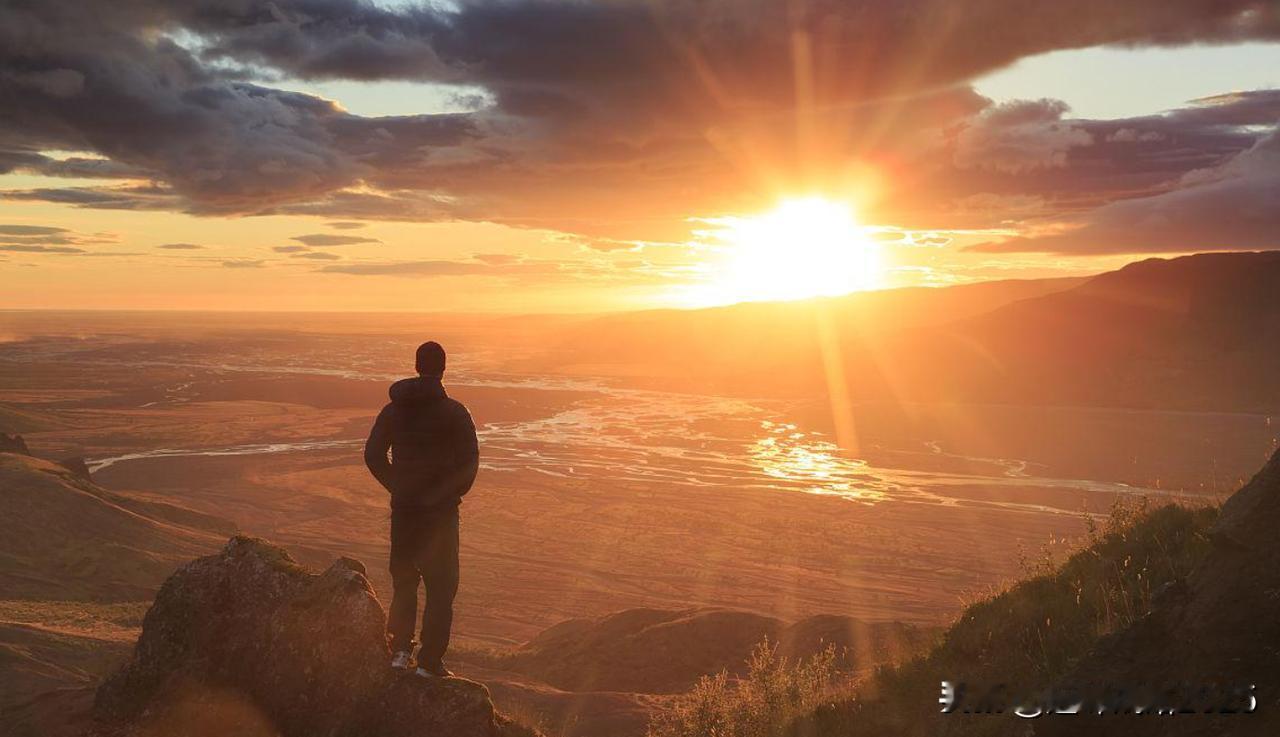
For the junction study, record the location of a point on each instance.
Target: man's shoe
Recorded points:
(436, 671)
(402, 660)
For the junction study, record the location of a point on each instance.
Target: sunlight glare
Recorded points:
(809, 247)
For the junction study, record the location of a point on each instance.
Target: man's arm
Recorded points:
(376, 447)
(464, 474)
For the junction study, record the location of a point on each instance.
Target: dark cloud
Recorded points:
(317, 256)
(1019, 136)
(1233, 206)
(290, 249)
(103, 198)
(615, 120)
(79, 167)
(329, 239)
(1035, 168)
(346, 225)
(181, 246)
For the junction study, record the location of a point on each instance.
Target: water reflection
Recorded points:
(815, 465)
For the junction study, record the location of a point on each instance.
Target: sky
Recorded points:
(569, 156)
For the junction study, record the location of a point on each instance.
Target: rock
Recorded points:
(250, 633)
(13, 444)
(77, 466)
(1249, 516)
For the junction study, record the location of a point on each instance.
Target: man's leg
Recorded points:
(438, 562)
(404, 583)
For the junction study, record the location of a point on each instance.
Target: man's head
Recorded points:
(430, 359)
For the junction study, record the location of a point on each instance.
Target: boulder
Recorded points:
(249, 641)
(13, 444)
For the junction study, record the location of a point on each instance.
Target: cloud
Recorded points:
(329, 239)
(317, 256)
(1020, 136)
(1132, 135)
(33, 248)
(290, 249)
(180, 246)
(244, 263)
(32, 230)
(346, 225)
(497, 259)
(24, 238)
(613, 120)
(524, 269)
(413, 268)
(146, 197)
(1233, 206)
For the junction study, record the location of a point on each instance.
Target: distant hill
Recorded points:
(657, 651)
(1197, 332)
(744, 347)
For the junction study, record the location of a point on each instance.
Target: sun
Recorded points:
(804, 247)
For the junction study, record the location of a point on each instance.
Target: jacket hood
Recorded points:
(418, 390)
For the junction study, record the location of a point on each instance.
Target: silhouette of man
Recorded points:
(434, 459)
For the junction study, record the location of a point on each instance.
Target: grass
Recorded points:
(773, 694)
(1027, 636)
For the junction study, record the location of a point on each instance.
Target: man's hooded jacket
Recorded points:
(434, 452)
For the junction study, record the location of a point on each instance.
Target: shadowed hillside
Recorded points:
(1165, 597)
(661, 651)
(64, 537)
(76, 561)
(1196, 332)
(775, 346)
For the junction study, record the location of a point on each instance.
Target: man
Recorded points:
(434, 459)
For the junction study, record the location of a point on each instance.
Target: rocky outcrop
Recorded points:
(13, 444)
(77, 466)
(249, 640)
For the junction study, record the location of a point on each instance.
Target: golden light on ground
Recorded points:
(805, 247)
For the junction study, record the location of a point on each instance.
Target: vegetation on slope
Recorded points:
(1026, 636)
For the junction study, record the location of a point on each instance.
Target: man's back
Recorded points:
(432, 439)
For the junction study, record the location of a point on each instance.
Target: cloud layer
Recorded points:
(612, 120)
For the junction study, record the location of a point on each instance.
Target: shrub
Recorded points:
(774, 693)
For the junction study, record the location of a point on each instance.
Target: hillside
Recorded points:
(75, 563)
(1198, 332)
(1160, 598)
(64, 537)
(746, 347)
(1195, 333)
(657, 651)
